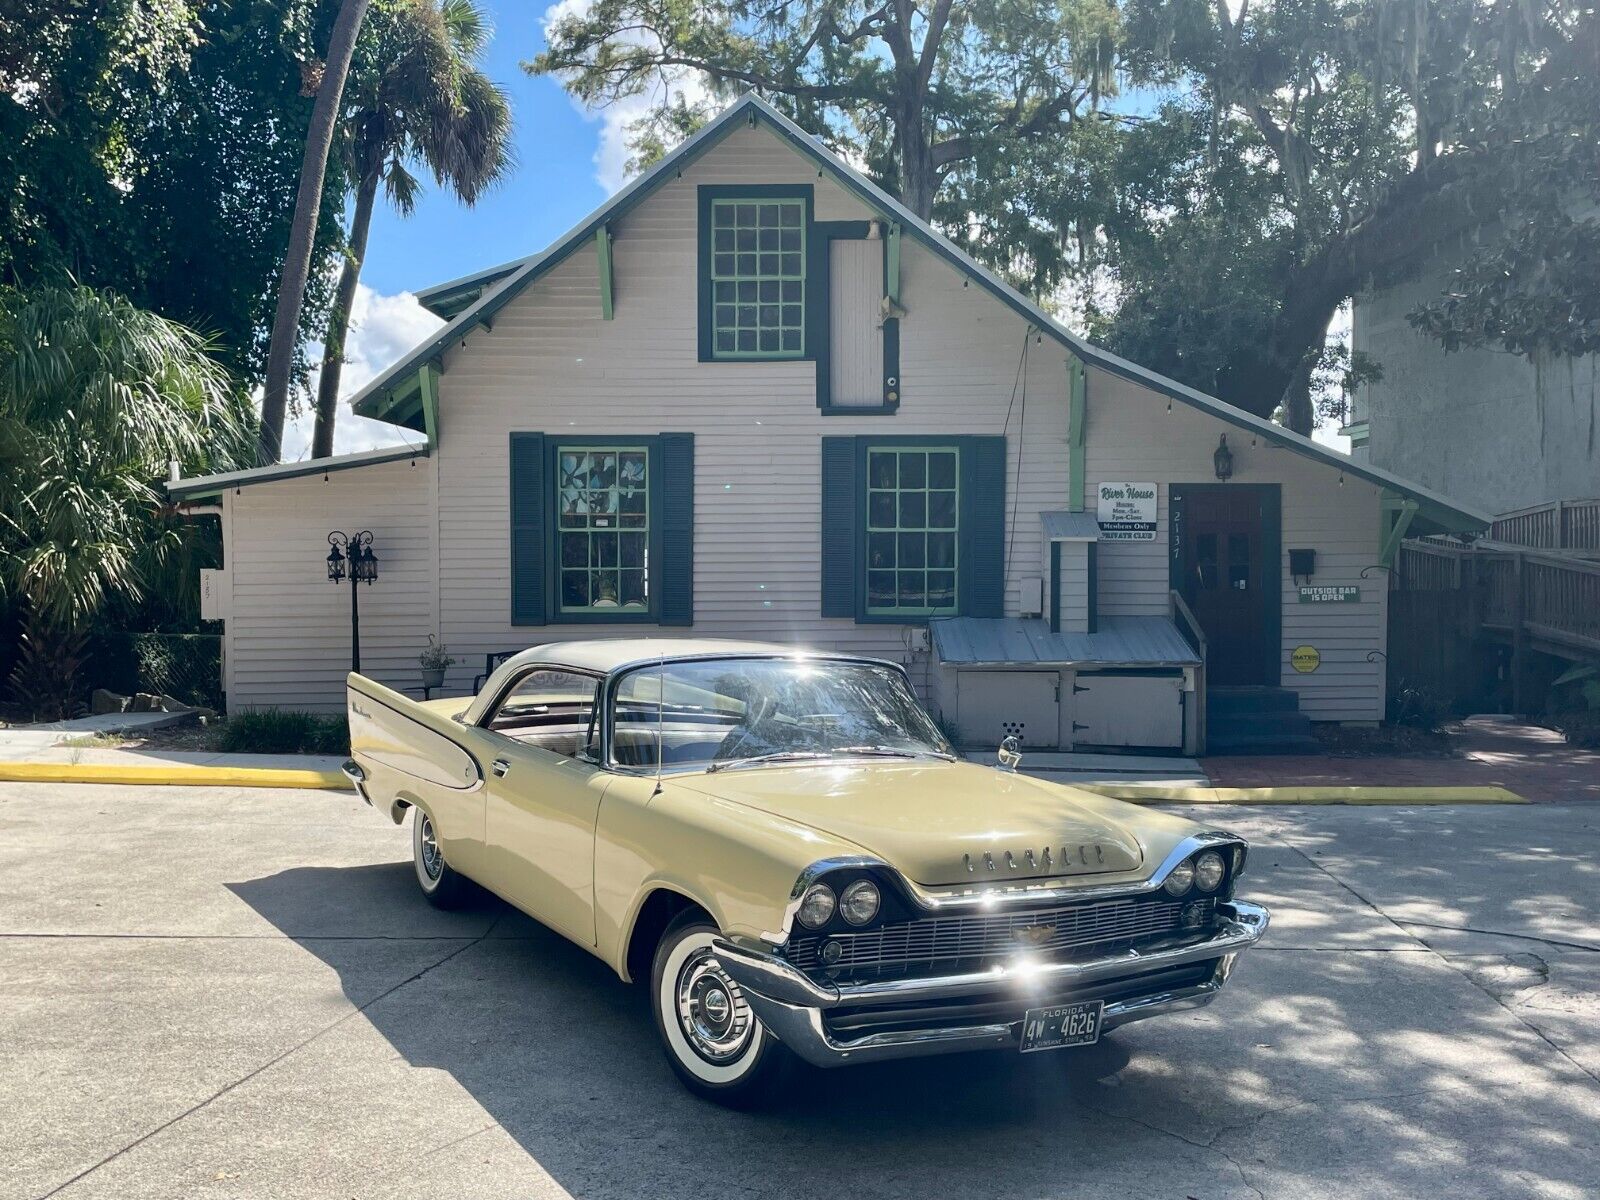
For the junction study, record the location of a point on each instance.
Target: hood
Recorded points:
(941, 823)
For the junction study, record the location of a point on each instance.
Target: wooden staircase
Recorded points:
(1257, 720)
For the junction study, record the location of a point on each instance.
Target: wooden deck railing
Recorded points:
(1561, 525)
(1551, 598)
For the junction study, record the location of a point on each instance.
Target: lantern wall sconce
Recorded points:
(1222, 459)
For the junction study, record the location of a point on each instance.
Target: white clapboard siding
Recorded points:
(552, 365)
(1133, 438)
(288, 625)
(855, 278)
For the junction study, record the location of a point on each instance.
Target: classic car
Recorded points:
(786, 848)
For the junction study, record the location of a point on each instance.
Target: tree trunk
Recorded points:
(303, 232)
(919, 179)
(339, 318)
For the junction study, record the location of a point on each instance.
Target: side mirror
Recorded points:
(1009, 754)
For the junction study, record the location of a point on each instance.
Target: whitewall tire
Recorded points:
(443, 886)
(717, 1046)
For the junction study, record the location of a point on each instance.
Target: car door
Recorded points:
(543, 796)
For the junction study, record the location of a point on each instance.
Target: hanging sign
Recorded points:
(1305, 659)
(1330, 595)
(1127, 512)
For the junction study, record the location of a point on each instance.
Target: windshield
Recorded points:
(730, 712)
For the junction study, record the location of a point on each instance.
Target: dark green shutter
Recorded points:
(674, 467)
(983, 526)
(840, 515)
(527, 529)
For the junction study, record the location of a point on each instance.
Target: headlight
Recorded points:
(1181, 879)
(1208, 871)
(816, 906)
(859, 904)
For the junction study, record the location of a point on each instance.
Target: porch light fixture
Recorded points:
(1222, 459)
(350, 556)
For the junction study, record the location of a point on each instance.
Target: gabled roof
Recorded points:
(392, 395)
(201, 486)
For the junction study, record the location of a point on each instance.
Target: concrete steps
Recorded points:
(1257, 720)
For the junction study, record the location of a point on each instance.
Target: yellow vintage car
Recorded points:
(783, 845)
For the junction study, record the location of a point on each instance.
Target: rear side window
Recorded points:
(551, 709)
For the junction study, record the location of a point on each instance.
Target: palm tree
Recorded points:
(303, 231)
(415, 93)
(97, 398)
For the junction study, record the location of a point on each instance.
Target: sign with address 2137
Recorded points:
(1127, 512)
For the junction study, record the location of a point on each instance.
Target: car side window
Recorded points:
(551, 709)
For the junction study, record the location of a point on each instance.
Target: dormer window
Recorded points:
(753, 246)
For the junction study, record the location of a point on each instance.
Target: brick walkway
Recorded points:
(1530, 760)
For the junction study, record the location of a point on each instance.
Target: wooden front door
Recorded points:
(1226, 554)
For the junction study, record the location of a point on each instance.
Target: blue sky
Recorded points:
(553, 186)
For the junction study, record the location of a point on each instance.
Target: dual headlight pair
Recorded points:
(1204, 871)
(858, 904)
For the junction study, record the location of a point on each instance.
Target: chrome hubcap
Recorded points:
(712, 1011)
(432, 860)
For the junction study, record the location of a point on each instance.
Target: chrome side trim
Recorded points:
(767, 976)
(985, 899)
(358, 778)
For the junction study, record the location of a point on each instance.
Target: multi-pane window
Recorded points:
(912, 518)
(758, 278)
(603, 528)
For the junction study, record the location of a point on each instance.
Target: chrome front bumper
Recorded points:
(793, 1005)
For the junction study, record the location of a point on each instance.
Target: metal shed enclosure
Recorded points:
(1133, 684)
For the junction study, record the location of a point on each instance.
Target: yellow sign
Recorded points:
(1305, 659)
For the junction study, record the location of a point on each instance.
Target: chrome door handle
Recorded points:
(500, 766)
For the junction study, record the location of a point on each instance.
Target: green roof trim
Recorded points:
(498, 285)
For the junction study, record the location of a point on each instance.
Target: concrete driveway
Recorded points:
(239, 993)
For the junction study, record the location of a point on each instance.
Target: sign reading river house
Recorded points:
(1127, 512)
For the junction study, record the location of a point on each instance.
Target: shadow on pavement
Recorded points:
(1342, 1073)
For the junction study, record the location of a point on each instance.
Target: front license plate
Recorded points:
(1064, 1025)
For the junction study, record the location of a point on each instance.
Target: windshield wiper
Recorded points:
(774, 756)
(792, 755)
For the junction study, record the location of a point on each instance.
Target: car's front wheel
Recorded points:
(443, 886)
(717, 1046)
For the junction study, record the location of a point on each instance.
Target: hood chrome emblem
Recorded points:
(1045, 860)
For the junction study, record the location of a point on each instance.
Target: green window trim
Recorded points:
(980, 530)
(602, 528)
(663, 504)
(755, 265)
(912, 528)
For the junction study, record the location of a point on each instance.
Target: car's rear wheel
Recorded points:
(443, 887)
(717, 1046)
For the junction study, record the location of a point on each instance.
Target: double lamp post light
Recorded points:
(351, 557)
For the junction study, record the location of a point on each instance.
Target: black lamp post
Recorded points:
(352, 557)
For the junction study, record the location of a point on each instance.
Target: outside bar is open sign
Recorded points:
(1127, 512)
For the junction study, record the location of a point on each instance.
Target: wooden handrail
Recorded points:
(1180, 611)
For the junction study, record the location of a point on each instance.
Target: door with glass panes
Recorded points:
(1223, 552)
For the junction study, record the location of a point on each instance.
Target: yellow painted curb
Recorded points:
(1155, 793)
(175, 775)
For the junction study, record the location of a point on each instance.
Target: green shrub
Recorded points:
(187, 666)
(275, 731)
(1413, 705)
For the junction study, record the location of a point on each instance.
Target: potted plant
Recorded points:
(435, 661)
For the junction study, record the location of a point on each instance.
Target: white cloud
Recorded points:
(612, 152)
(382, 328)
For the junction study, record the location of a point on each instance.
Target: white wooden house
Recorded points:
(753, 396)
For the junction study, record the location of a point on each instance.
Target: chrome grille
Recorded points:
(973, 939)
